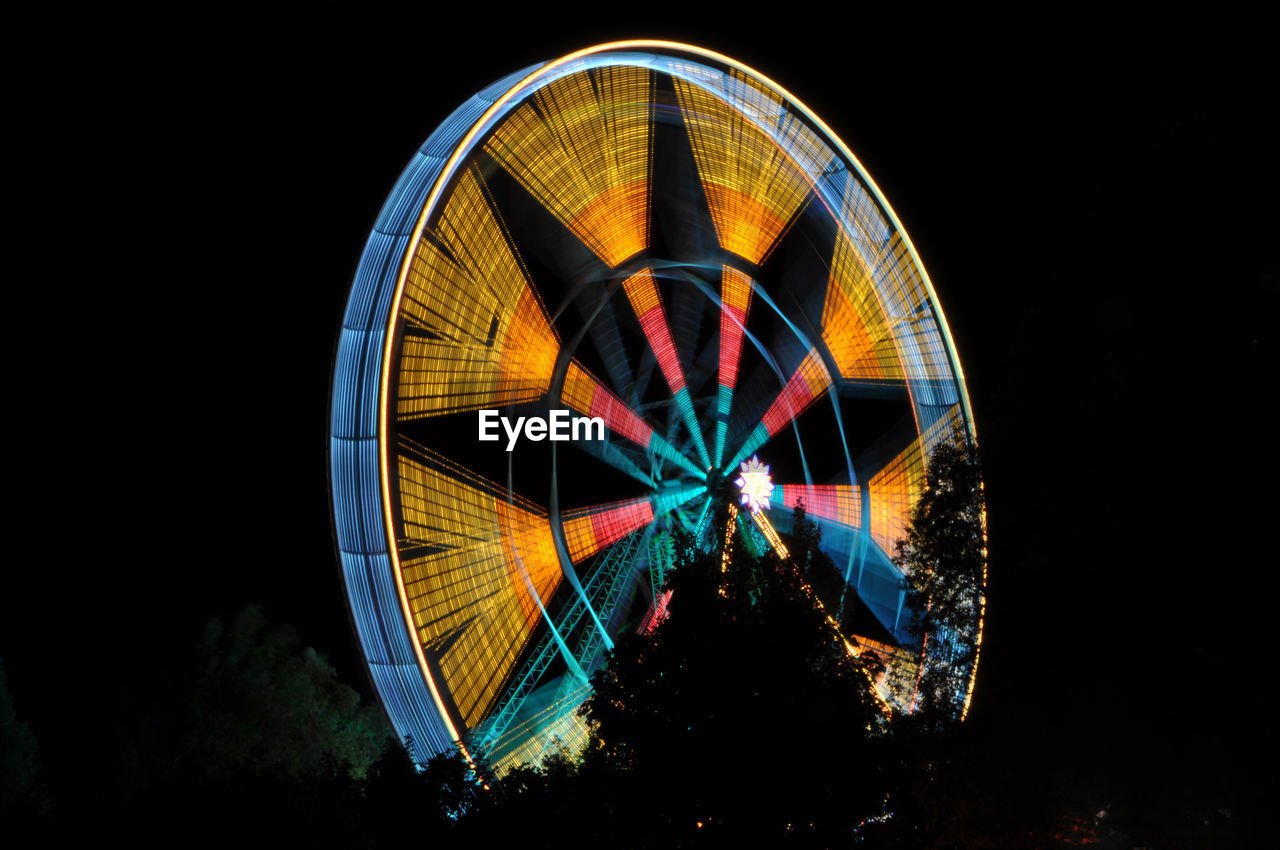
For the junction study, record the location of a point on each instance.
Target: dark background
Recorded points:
(1095, 203)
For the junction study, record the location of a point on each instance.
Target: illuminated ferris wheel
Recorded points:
(671, 249)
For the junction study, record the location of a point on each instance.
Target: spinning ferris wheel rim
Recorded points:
(502, 97)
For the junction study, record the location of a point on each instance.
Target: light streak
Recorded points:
(588, 530)
(585, 394)
(735, 304)
(642, 292)
(582, 146)
(472, 558)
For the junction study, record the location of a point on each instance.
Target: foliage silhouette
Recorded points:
(743, 706)
(264, 701)
(943, 561)
(21, 794)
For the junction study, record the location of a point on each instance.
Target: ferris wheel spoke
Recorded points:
(857, 331)
(642, 292)
(898, 483)
(476, 561)
(587, 530)
(840, 504)
(809, 381)
(703, 514)
(755, 181)
(476, 333)
(735, 304)
(588, 396)
(583, 149)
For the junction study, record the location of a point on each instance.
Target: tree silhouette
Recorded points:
(265, 702)
(20, 793)
(943, 559)
(744, 712)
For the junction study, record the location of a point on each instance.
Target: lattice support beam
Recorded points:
(603, 589)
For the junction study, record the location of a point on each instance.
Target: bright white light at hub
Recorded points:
(755, 484)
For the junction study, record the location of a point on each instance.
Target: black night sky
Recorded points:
(1095, 204)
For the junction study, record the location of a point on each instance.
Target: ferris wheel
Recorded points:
(662, 246)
